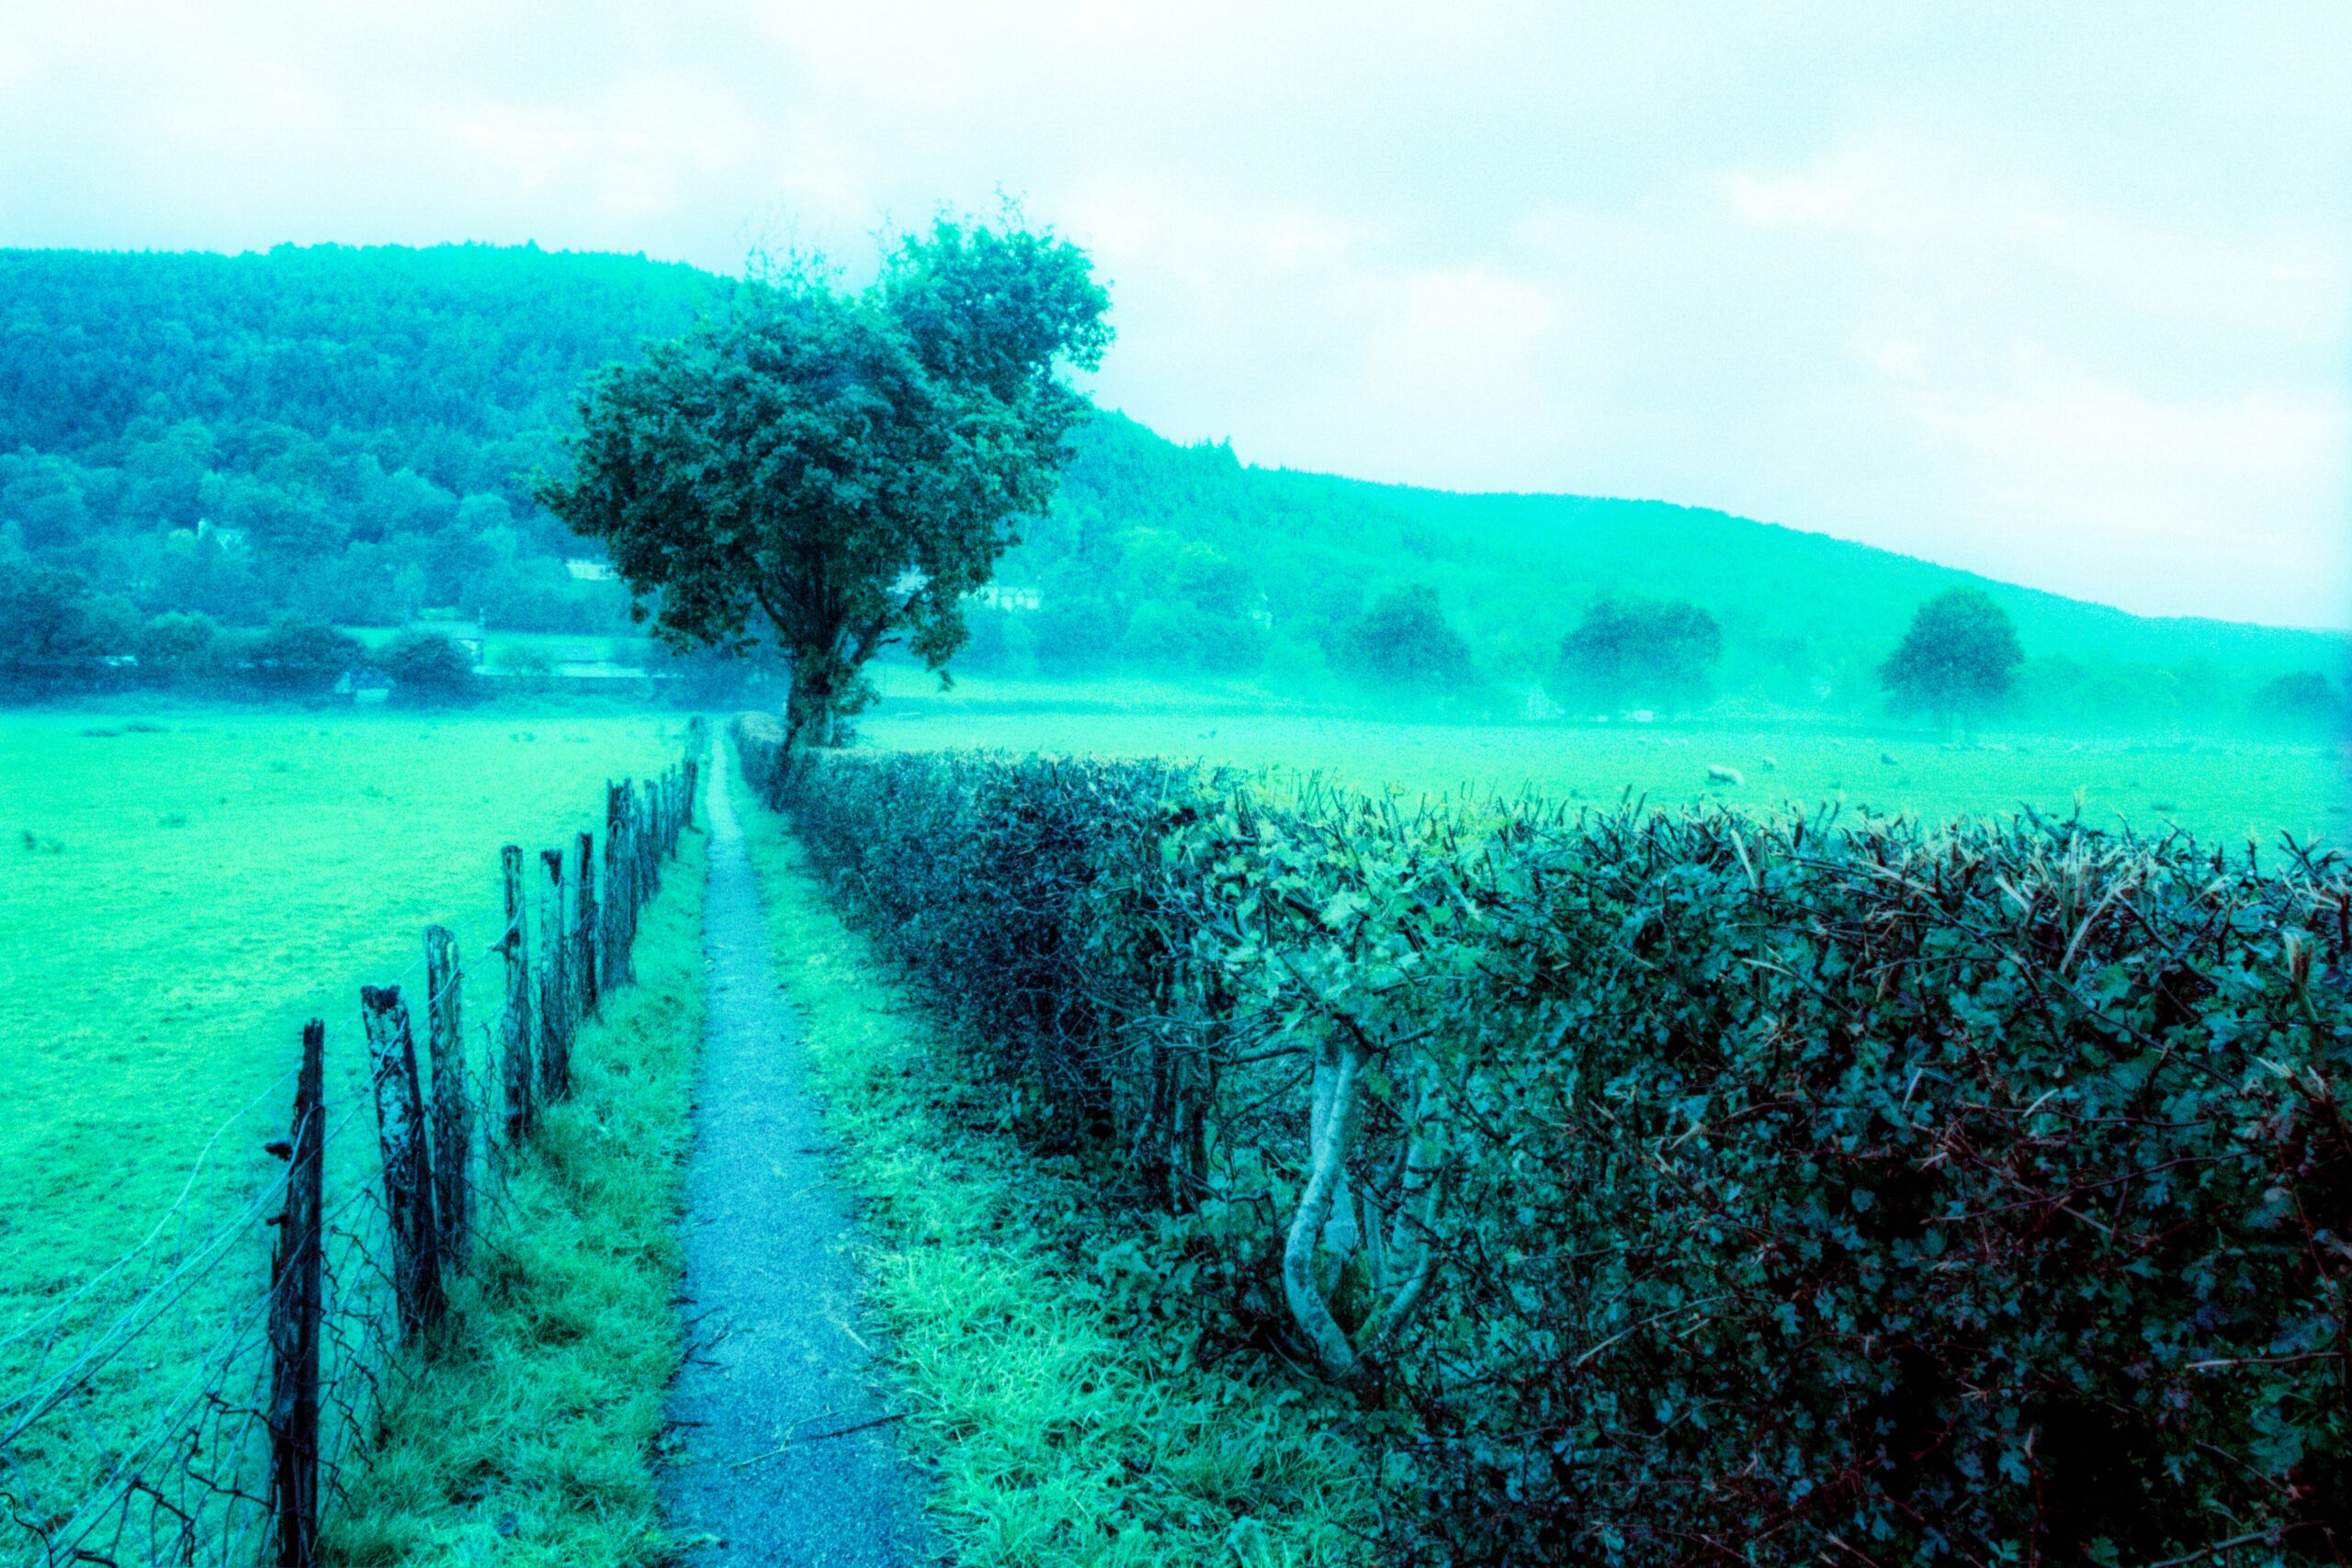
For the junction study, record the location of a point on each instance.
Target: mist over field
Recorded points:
(1280, 787)
(207, 499)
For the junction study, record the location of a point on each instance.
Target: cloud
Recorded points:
(1981, 287)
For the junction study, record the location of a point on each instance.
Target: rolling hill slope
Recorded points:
(1798, 608)
(347, 433)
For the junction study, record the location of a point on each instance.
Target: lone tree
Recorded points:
(2300, 699)
(1404, 644)
(427, 669)
(1660, 649)
(1960, 658)
(834, 470)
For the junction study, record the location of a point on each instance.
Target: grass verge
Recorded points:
(1064, 1422)
(535, 1433)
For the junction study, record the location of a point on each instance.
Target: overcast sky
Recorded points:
(2057, 292)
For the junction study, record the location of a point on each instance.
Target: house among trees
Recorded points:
(1006, 596)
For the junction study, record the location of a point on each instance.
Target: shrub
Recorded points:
(428, 669)
(300, 658)
(1677, 1187)
(179, 647)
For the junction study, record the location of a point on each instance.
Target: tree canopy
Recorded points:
(427, 669)
(834, 471)
(1404, 645)
(1959, 658)
(1660, 651)
(2299, 699)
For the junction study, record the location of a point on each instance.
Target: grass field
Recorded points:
(178, 897)
(2221, 790)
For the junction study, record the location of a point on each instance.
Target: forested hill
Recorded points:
(1799, 610)
(347, 433)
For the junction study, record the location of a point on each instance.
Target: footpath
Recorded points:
(789, 1455)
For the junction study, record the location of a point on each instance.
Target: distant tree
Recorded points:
(2302, 699)
(54, 633)
(193, 573)
(178, 646)
(427, 669)
(1661, 652)
(408, 591)
(1075, 633)
(1227, 645)
(1403, 644)
(526, 669)
(1959, 658)
(986, 648)
(291, 525)
(1159, 635)
(835, 472)
(43, 497)
(298, 657)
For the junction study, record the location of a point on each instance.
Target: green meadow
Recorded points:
(180, 895)
(179, 899)
(2221, 790)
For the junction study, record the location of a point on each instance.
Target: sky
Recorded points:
(2062, 294)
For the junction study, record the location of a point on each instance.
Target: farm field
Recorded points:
(178, 900)
(2222, 791)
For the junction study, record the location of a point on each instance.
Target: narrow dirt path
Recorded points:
(789, 1457)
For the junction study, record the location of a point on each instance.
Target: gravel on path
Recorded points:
(789, 1455)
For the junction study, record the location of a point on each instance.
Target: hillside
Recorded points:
(342, 433)
(1800, 611)
(347, 433)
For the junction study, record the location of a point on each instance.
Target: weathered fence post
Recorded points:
(408, 1165)
(620, 888)
(296, 1298)
(693, 774)
(609, 969)
(584, 894)
(648, 843)
(452, 1113)
(514, 1029)
(555, 985)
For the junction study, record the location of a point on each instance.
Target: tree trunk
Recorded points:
(810, 708)
(1331, 1128)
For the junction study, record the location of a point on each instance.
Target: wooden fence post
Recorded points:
(555, 985)
(609, 970)
(453, 1112)
(620, 888)
(649, 849)
(693, 774)
(514, 1029)
(584, 895)
(296, 1298)
(408, 1164)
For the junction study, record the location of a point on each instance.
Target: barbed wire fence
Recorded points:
(260, 1340)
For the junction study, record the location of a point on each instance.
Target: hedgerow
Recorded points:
(1685, 1187)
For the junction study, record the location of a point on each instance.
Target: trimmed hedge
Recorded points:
(1685, 1187)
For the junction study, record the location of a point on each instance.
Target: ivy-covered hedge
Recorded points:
(1686, 1188)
